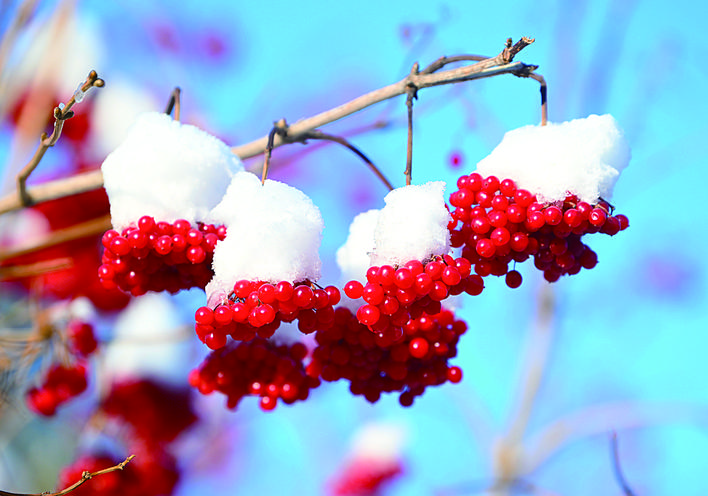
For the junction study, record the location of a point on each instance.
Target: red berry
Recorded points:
(513, 279)
(597, 217)
(553, 215)
(418, 347)
(454, 374)
(353, 289)
(485, 248)
(368, 314)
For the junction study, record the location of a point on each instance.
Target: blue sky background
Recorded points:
(632, 330)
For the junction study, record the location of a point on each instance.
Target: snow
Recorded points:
(412, 225)
(353, 257)
(582, 156)
(274, 233)
(167, 170)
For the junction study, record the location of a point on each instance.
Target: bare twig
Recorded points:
(91, 227)
(494, 66)
(617, 469)
(51, 190)
(600, 419)
(61, 114)
(319, 135)
(411, 94)
(84, 477)
(19, 21)
(173, 103)
(544, 97)
(35, 269)
(280, 129)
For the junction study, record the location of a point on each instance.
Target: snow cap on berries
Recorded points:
(353, 257)
(274, 233)
(167, 170)
(583, 157)
(412, 225)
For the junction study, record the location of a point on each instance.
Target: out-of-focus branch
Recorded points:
(509, 456)
(85, 477)
(91, 227)
(51, 190)
(618, 469)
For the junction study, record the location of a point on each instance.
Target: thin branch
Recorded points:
(319, 135)
(544, 97)
(600, 419)
(617, 469)
(52, 190)
(443, 61)
(173, 103)
(92, 227)
(85, 477)
(35, 269)
(61, 114)
(280, 129)
(411, 94)
(494, 66)
(18, 23)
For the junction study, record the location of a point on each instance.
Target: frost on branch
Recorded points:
(583, 157)
(274, 233)
(166, 170)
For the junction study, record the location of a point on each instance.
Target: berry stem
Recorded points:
(173, 103)
(412, 93)
(319, 135)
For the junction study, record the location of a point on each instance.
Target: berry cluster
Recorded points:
(256, 368)
(497, 223)
(82, 340)
(60, 385)
(159, 256)
(375, 363)
(395, 295)
(258, 308)
(156, 413)
(63, 382)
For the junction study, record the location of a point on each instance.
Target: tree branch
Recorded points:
(429, 77)
(61, 114)
(86, 476)
(617, 469)
(494, 66)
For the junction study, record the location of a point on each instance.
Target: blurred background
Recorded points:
(626, 346)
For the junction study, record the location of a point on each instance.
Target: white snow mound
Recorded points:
(582, 156)
(167, 170)
(274, 233)
(412, 225)
(353, 257)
